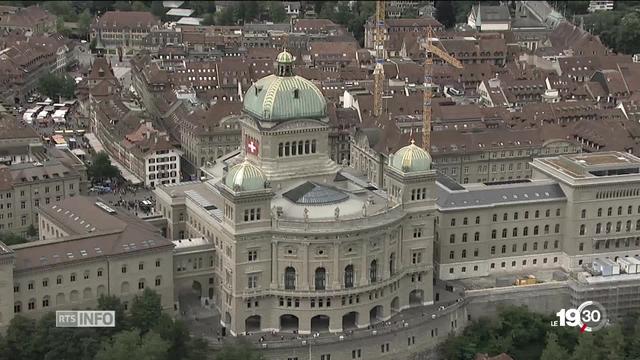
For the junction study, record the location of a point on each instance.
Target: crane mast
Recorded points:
(378, 71)
(431, 51)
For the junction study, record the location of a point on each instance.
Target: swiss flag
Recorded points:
(251, 145)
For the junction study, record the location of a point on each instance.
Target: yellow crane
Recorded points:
(431, 50)
(378, 71)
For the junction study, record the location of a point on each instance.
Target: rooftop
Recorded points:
(590, 167)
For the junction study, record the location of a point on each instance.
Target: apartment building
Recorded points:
(124, 29)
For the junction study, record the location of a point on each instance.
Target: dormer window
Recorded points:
(296, 93)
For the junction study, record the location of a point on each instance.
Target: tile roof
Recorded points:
(93, 233)
(126, 20)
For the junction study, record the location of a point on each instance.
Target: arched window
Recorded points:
(287, 148)
(321, 278)
(525, 231)
(290, 278)
(373, 271)
(280, 149)
(294, 148)
(535, 230)
(599, 227)
(348, 276)
(306, 146)
(300, 148)
(464, 253)
(313, 146)
(545, 245)
(392, 264)
(582, 229)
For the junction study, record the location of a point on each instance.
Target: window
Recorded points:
(321, 278)
(535, 230)
(535, 247)
(515, 231)
(493, 234)
(141, 284)
(124, 269)
(477, 220)
(252, 281)
(45, 301)
(599, 212)
(59, 280)
(73, 277)
(505, 216)
(495, 217)
(546, 229)
(609, 211)
(537, 214)
(157, 262)
(493, 250)
(583, 214)
(452, 238)
(504, 233)
(141, 266)
(599, 227)
(547, 213)
(373, 271)
(99, 272)
(392, 264)
(582, 229)
(464, 253)
(525, 231)
(476, 236)
(524, 247)
(290, 278)
(464, 237)
(453, 222)
(158, 281)
(515, 215)
(253, 255)
(581, 246)
(45, 282)
(348, 276)
(619, 210)
(504, 249)
(452, 254)
(545, 245)
(465, 221)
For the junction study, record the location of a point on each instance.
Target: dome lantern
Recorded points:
(284, 64)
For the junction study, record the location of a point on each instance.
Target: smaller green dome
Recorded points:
(411, 158)
(245, 177)
(285, 57)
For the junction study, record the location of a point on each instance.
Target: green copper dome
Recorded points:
(411, 158)
(245, 177)
(284, 96)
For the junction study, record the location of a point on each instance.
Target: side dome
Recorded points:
(411, 158)
(284, 96)
(245, 177)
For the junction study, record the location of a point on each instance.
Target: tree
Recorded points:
(101, 168)
(628, 39)
(276, 12)
(613, 342)
(157, 9)
(113, 303)
(242, 351)
(19, 339)
(130, 345)
(52, 342)
(227, 16)
(586, 347)
(634, 342)
(122, 6)
(57, 85)
(140, 6)
(176, 334)
(146, 310)
(198, 348)
(32, 231)
(84, 23)
(553, 350)
(10, 238)
(445, 13)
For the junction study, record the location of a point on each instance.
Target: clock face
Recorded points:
(252, 146)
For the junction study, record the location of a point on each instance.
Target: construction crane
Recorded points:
(378, 71)
(431, 50)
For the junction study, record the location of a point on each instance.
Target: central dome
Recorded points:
(284, 96)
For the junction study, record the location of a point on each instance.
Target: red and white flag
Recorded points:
(251, 145)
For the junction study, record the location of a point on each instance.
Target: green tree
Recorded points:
(10, 238)
(32, 231)
(201, 8)
(57, 85)
(586, 348)
(101, 168)
(176, 334)
(277, 14)
(122, 6)
(130, 345)
(553, 350)
(209, 19)
(53, 343)
(628, 39)
(157, 9)
(227, 16)
(113, 303)
(139, 6)
(198, 348)
(146, 310)
(19, 339)
(84, 23)
(445, 13)
(243, 351)
(613, 342)
(633, 348)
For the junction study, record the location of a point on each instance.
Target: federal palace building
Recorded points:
(281, 238)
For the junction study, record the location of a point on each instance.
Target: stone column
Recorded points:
(336, 267)
(363, 267)
(304, 283)
(274, 265)
(385, 258)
